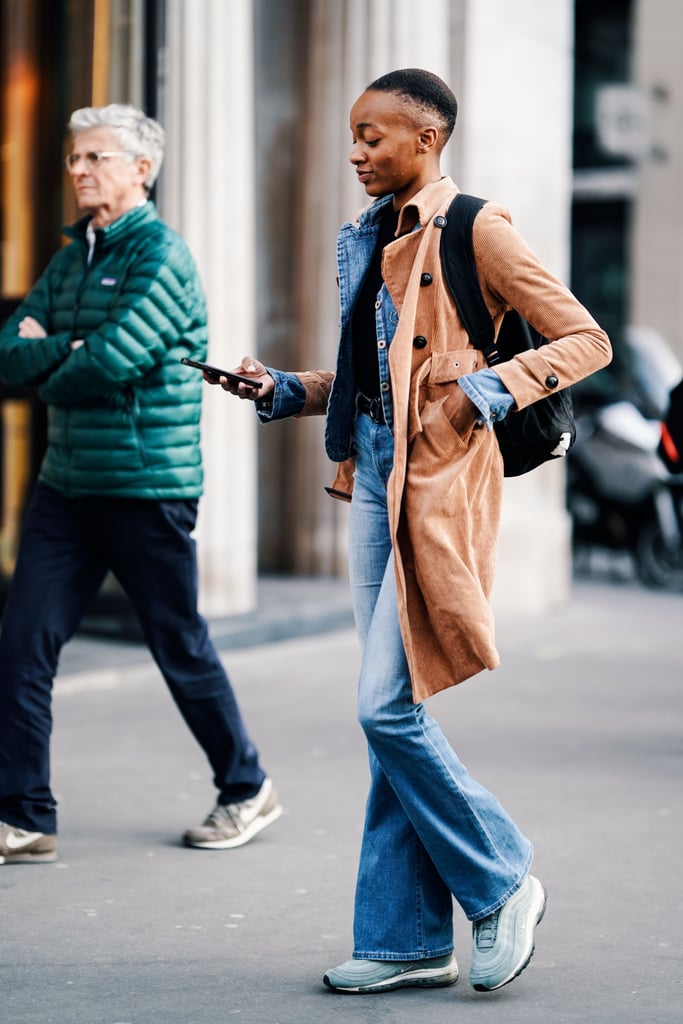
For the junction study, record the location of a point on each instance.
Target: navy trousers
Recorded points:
(67, 547)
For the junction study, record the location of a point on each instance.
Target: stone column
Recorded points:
(351, 42)
(515, 137)
(207, 195)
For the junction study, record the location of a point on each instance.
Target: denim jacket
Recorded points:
(355, 247)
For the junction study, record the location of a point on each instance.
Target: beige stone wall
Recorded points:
(515, 136)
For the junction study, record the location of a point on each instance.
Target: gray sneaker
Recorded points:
(18, 846)
(503, 942)
(364, 976)
(231, 825)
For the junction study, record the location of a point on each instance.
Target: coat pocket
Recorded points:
(444, 370)
(134, 419)
(446, 367)
(443, 440)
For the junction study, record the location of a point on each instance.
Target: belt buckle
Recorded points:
(371, 406)
(376, 410)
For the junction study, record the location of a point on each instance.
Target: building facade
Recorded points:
(254, 96)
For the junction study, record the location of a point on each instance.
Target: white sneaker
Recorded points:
(231, 825)
(18, 846)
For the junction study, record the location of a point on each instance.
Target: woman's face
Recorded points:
(393, 146)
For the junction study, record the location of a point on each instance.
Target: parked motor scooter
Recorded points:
(620, 495)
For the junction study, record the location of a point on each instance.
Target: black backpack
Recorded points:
(530, 437)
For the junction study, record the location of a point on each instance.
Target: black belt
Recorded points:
(372, 407)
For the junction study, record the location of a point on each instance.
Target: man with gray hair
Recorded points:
(101, 335)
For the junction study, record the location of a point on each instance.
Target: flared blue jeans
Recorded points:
(431, 831)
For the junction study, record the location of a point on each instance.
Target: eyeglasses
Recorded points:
(94, 158)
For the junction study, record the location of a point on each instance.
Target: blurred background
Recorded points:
(571, 115)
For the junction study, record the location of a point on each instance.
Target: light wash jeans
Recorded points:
(431, 831)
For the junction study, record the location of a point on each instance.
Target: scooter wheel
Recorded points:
(657, 563)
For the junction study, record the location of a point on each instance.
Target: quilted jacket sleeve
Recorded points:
(26, 361)
(158, 301)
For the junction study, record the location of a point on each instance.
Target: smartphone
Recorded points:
(213, 371)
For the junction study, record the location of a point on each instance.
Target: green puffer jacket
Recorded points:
(123, 413)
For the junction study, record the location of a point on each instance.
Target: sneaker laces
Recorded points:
(485, 931)
(232, 812)
(229, 812)
(220, 813)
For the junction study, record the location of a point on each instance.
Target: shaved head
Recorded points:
(423, 94)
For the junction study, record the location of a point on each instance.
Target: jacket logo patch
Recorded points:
(108, 282)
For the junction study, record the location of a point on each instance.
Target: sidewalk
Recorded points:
(578, 733)
(288, 607)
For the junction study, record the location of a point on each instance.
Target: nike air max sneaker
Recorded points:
(503, 942)
(366, 976)
(17, 846)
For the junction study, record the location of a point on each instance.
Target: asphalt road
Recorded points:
(579, 734)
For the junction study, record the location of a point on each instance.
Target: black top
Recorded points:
(363, 330)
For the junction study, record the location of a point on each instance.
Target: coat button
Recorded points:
(426, 279)
(552, 381)
(440, 222)
(420, 341)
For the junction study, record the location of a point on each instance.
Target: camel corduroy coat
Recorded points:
(445, 491)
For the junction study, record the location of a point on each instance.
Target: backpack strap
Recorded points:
(460, 271)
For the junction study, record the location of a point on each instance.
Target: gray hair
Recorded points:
(136, 132)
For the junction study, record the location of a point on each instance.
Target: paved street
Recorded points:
(579, 734)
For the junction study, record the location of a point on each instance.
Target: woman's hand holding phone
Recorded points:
(256, 371)
(250, 380)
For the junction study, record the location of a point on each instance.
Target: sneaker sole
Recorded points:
(424, 978)
(256, 826)
(516, 973)
(29, 858)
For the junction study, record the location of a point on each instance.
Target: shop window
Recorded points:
(599, 275)
(607, 132)
(603, 50)
(48, 66)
